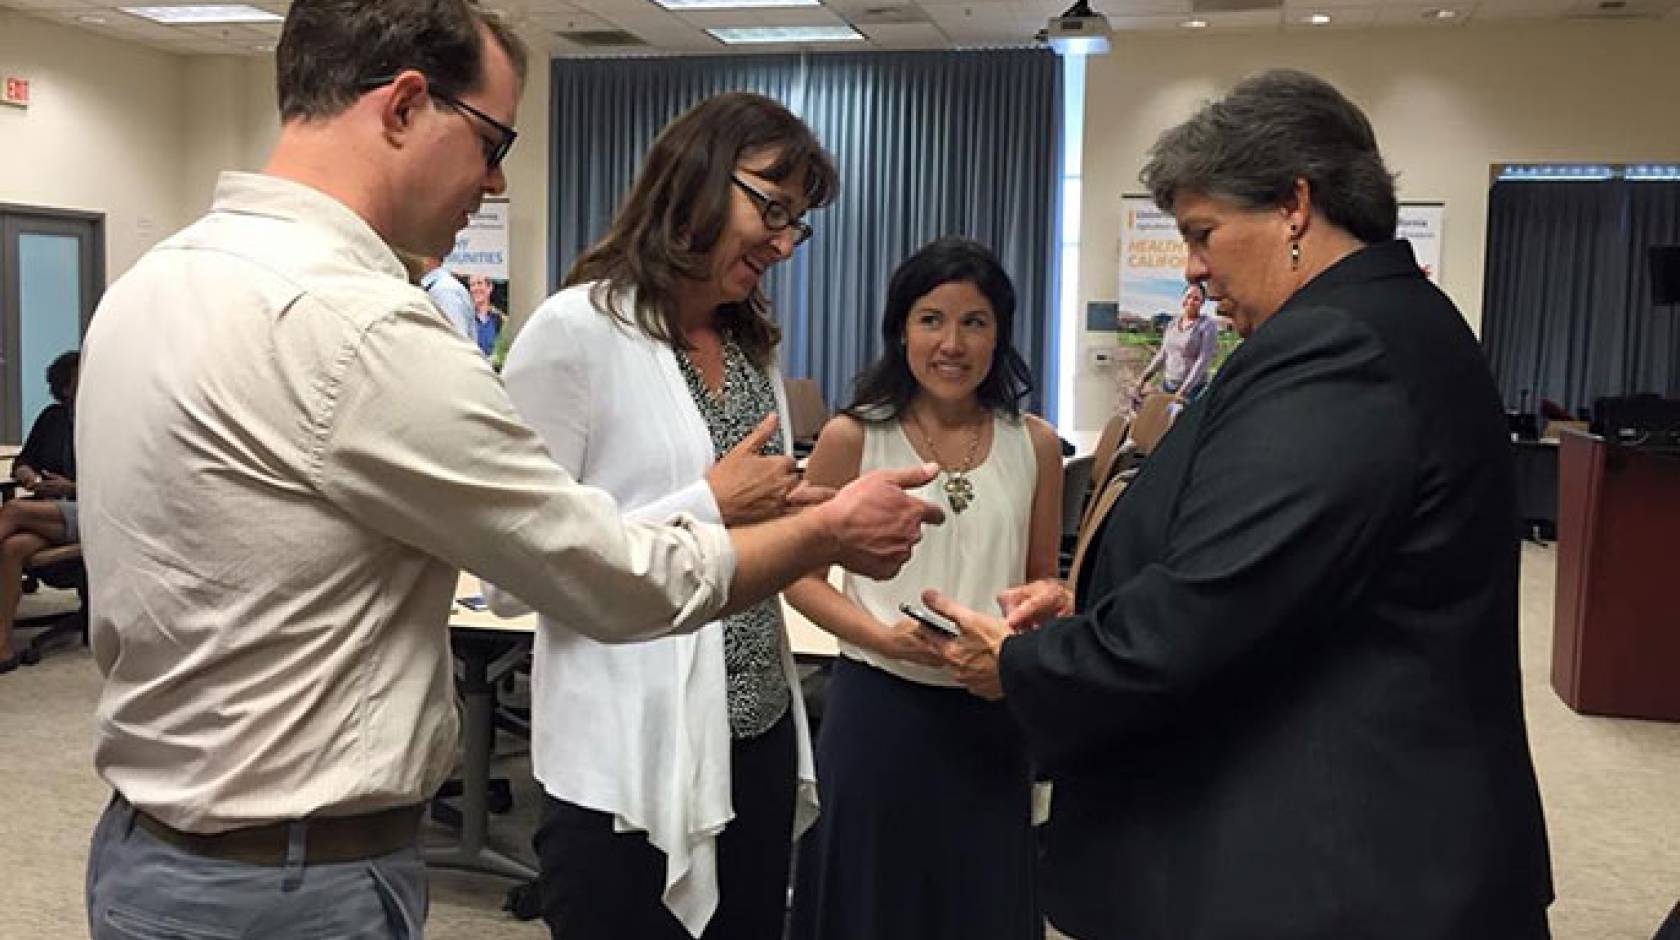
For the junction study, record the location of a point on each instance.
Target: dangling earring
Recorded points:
(1294, 249)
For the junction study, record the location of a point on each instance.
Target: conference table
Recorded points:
(489, 648)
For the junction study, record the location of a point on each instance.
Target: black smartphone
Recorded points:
(931, 620)
(474, 603)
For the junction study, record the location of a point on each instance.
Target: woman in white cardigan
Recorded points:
(673, 768)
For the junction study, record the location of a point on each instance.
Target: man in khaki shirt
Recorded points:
(286, 457)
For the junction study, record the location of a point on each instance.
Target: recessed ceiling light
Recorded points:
(733, 4)
(745, 35)
(1319, 19)
(204, 14)
(1442, 14)
(1194, 24)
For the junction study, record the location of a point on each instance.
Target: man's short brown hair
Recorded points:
(330, 49)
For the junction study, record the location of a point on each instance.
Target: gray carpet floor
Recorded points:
(1611, 788)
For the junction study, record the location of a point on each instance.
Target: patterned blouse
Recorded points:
(752, 640)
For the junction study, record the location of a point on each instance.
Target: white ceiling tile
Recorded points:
(960, 13)
(785, 16)
(1116, 8)
(1150, 23)
(1623, 8)
(1340, 17)
(905, 35)
(571, 22)
(1520, 9)
(1406, 14)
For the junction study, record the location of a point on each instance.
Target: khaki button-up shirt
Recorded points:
(286, 455)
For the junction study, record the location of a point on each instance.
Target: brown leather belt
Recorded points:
(327, 839)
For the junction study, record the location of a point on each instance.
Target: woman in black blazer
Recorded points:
(1289, 705)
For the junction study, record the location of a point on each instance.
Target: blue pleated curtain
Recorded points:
(927, 143)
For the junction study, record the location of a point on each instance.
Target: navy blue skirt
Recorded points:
(926, 827)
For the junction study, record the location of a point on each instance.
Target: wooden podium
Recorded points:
(1616, 626)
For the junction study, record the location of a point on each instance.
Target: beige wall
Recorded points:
(232, 122)
(141, 135)
(1446, 104)
(103, 132)
(527, 178)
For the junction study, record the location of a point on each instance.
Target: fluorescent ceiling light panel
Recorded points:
(733, 4)
(743, 35)
(204, 14)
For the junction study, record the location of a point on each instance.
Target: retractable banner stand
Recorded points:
(481, 251)
(1151, 287)
(1151, 262)
(1421, 224)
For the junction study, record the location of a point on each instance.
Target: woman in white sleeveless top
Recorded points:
(926, 790)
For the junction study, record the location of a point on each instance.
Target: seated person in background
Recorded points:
(926, 791)
(1188, 345)
(47, 467)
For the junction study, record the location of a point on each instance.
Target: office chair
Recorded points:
(1076, 491)
(807, 413)
(59, 566)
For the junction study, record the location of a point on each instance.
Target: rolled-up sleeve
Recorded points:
(420, 442)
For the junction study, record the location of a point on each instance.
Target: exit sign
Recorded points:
(16, 92)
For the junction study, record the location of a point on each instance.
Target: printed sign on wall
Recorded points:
(482, 247)
(1151, 261)
(480, 261)
(1420, 223)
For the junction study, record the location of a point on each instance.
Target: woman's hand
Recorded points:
(908, 640)
(749, 486)
(971, 658)
(1029, 606)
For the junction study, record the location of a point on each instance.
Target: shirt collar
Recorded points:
(272, 196)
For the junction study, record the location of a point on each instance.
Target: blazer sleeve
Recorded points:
(1299, 475)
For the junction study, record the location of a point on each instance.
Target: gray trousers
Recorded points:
(140, 888)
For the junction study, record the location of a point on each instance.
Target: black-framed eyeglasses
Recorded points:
(775, 213)
(494, 150)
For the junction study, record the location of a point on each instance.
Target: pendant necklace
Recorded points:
(959, 489)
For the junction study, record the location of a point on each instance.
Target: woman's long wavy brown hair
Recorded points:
(676, 210)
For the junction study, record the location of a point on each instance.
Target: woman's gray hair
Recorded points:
(1272, 129)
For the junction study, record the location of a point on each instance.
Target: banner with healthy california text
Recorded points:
(1151, 261)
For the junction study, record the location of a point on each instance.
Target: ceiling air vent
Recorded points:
(594, 38)
(887, 15)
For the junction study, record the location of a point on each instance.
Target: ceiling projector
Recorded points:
(1078, 31)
